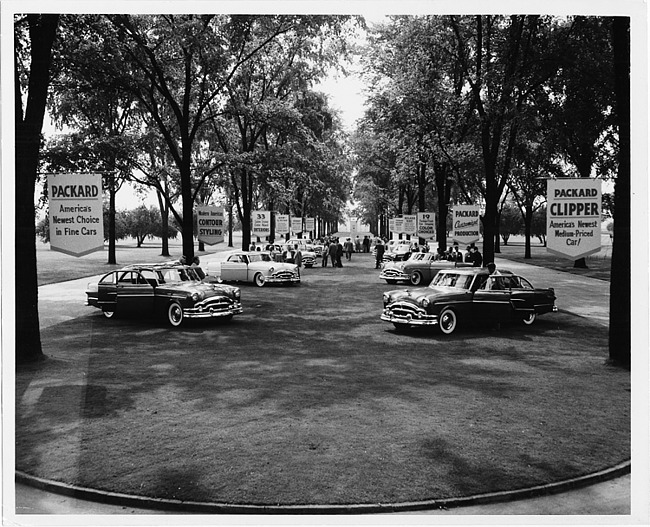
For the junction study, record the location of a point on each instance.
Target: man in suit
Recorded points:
(380, 253)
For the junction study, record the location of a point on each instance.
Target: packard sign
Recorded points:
(573, 217)
(76, 215)
(209, 224)
(466, 223)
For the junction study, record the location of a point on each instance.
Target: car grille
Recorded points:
(283, 275)
(308, 260)
(404, 309)
(216, 303)
(390, 273)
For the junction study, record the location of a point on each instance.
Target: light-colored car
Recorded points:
(169, 290)
(257, 267)
(308, 254)
(395, 251)
(419, 269)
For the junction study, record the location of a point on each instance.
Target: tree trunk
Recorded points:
(112, 257)
(528, 228)
(164, 231)
(42, 30)
(620, 316)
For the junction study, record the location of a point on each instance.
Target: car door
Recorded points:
(235, 268)
(134, 294)
(107, 292)
(492, 299)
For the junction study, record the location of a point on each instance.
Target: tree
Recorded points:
(34, 37)
(620, 309)
(509, 222)
(143, 222)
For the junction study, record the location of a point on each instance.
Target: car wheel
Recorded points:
(259, 280)
(175, 314)
(447, 321)
(108, 314)
(529, 319)
(416, 277)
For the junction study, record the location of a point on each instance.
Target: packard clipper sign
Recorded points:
(209, 223)
(466, 223)
(573, 217)
(76, 215)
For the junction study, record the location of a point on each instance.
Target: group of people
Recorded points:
(333, 249)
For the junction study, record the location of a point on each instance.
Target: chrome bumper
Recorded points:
(213, 312)
(392, 275)
(281, 279)
(409, 319)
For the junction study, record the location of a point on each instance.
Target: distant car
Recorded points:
(172, 291)
(467, 295)
(395, 251)
(419, 269)
(257, 267)
(308, 254)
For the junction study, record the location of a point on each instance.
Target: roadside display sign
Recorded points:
(399, 225)
(261, 223)
(426, 225)
(209, 224)
(296, 224)
(410, 223)
(76, 213)
(309, 224)
(391, 225)
(282, 223)
(466, 223)
(573, 216)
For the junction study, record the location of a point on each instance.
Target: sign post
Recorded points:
(209, 224)
(573, 217)
(296, 225)
(262, 223)
(410, 224)
(426, 225)
(282, 224)
(466, 224)
(76, 213)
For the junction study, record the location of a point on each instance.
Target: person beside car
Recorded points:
(197, 268)
(380, 249)
(297, 258)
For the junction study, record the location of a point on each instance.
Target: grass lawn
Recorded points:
(308, 398)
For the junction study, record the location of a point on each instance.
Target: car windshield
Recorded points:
(178, 274)
(418, 256)
(456, 280)
(261, 257)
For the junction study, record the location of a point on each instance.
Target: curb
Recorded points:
(127, 500)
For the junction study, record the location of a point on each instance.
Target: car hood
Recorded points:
(277, 266)
(433, 294)
(199, 287)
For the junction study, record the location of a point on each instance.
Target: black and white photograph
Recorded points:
(310, 263)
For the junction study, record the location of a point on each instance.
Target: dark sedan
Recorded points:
(467, 295)
(172, 291)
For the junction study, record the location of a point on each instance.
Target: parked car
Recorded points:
(257, 267)
(464, 295)
(173, 291)
(419, 269)
(308, 254)
(395, 251)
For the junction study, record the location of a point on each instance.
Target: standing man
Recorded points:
(326, 252)
(297, 258)
(333, 250)
(339, 253)
(380, 253)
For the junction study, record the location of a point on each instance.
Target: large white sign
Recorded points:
(282, 223)
(310, 224)
(399, 225)
(209, 224)
(466, 223)
(427, 225)
(261, 223)
(391, 224)
(410, 223)
(76, 215)
(296, 224)
(573, 216)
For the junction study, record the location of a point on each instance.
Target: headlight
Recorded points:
(425, 302)
(387, 298)
(237, 294)
(196, 297)
(271, 269)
